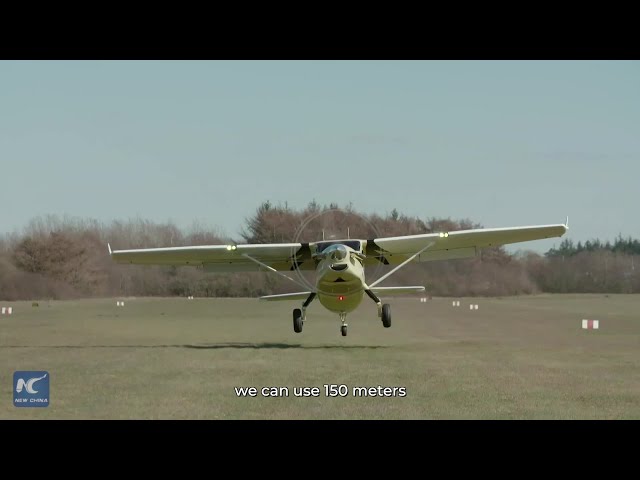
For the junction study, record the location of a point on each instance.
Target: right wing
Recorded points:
(223, 258)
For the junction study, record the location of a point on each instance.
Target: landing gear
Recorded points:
(299, 315)
(343, 328)
(386, 315)
(384, 311)
(297, 320)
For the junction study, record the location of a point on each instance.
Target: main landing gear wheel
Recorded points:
(343, 330)
(297, 320)
(386, 315)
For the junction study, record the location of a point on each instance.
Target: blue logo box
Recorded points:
(31, 388)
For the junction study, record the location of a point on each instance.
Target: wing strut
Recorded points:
(274, 270)
(401, 265)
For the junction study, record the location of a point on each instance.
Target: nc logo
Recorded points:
(28, 384)
(31, 389)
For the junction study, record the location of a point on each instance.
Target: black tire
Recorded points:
(297, 320)
(343, 330)
(386, 315)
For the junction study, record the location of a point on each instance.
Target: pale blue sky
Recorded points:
(502, 143)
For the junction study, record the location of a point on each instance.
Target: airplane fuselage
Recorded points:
(340, 281)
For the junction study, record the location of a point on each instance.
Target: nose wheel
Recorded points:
(343, 328)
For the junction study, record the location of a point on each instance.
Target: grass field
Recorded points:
(513, 358)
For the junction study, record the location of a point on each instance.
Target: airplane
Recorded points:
(340, 284)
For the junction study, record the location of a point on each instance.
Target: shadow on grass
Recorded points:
(277, 345)
(210, 346)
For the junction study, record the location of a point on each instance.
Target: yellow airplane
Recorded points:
(340, 283)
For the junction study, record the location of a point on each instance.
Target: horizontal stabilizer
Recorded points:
(382, 291)
(286, 296)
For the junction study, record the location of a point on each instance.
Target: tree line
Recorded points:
(64, 258)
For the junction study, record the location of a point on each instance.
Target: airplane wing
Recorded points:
(456, 244)
(292, 256)
(223, 258)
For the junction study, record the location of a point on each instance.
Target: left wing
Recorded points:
(223, 258)
(450, 245)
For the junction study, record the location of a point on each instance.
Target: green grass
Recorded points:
(514, 358)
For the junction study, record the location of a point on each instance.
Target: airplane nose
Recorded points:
(339, 253)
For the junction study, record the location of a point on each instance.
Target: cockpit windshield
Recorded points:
(355, 244)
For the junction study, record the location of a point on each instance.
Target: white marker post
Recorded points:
(10, 310)
(590, 324)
